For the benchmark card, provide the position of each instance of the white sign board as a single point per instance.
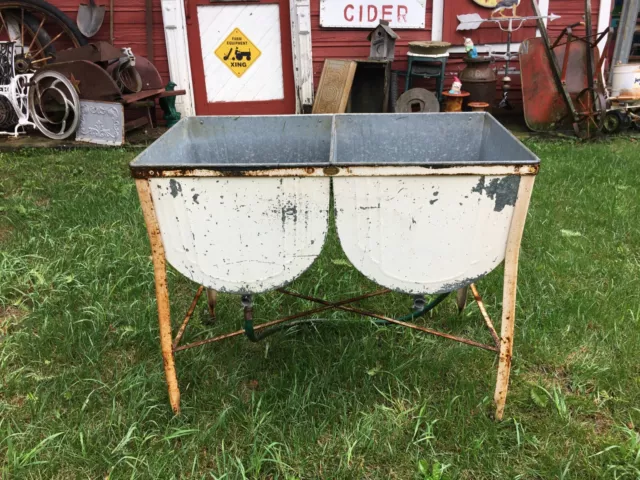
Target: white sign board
(368, 13)
(241, 52)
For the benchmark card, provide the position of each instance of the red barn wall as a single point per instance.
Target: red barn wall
(129, 28)
(353, 44)
(488, 32)
(129, 31)
(571, 12)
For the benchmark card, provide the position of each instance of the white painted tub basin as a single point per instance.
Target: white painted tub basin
(423, 202)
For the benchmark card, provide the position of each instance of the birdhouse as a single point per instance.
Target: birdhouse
(383, 42)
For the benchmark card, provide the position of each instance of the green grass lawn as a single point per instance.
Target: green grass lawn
(82, 392)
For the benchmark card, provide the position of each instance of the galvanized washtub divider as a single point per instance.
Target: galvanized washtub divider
(450, 189)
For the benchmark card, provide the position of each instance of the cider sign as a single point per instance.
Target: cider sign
(368, 13)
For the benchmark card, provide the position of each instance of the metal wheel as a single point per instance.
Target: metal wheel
(613, 122)
(127, 78)
(591, 109)
(54, 104)
(8, 117)
(38, 30)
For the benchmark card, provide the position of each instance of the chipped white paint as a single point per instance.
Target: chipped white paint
(260, 23)
(437, 20)
(419, 234)
(300, 12)
(259, 204)
(604, 20)
(422, 234)
(175, 34)
(241, 235)
(543, 6)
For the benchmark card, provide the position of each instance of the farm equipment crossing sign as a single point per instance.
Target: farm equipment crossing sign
(237, 52)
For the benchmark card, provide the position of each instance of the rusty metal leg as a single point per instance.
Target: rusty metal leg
(485, 315)
(187, 318)
(565, 62)
(162, 293)
(212, 297)
(509, 292)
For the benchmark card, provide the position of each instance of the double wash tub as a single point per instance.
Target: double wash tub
(423, 203)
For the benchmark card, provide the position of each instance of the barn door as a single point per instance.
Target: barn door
(241, 57)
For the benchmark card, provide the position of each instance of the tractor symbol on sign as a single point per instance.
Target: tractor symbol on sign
(239, 55)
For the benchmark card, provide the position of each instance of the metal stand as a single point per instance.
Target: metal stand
(502, 344)
(432, 67)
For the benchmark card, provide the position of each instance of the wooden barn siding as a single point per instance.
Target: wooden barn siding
(488, 32)
(353, 44)
(571, 12)
(129, 28)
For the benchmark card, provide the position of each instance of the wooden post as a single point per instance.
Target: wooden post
(162, 293)
(509, 291)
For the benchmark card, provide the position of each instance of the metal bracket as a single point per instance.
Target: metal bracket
(256, 333)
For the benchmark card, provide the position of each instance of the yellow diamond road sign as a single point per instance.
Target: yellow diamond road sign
(237, 52)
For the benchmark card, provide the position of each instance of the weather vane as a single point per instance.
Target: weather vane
(472, 21)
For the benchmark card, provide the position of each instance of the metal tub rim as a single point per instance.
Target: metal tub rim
(330, 138)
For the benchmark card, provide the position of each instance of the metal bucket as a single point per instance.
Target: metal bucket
(626, 81)
(423, 202)
(479, 79)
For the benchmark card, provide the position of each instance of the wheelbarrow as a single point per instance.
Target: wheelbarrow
(562, 85)
(402, 191)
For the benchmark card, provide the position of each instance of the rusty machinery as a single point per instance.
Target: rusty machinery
(562, 83)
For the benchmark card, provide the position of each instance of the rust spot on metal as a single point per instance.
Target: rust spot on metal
(485, 315)
(632, 94)
(187, 317)
(403, 170)
(236, 173)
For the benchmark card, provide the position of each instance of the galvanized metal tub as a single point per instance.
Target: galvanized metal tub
(423, 202)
